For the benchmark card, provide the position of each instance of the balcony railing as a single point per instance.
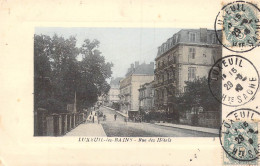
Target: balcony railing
(164, 83)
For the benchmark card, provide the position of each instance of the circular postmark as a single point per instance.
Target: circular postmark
(239, 22)
(239, 135)
(233, 80)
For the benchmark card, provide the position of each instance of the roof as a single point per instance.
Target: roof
(182, 37)
(142, 69)
(115, 81)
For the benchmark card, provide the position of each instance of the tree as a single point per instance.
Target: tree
(58, 73)
(197, 94)
(64, 68)
(94, 71)
(42, 68)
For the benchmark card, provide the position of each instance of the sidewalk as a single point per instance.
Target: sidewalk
(108, 108)
(125, 115)
(195, 128)
(89, 128)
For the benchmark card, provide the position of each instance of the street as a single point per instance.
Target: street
(118, 128)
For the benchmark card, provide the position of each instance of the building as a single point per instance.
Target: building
(113, 94)
(129, 94)
(187, 55)
(146, 97)
(102, 100)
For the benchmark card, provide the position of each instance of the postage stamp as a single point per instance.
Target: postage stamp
(240, 24)
(239, 137)
(239, 77)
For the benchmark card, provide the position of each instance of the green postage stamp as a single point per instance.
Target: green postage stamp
(239, 137)
(240, 24)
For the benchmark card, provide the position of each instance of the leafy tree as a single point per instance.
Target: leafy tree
(42, 68)
(197, 94)
(64, 68)
(95, 72)
(58, 74)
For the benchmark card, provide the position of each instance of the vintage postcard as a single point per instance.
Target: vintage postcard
(130, 83)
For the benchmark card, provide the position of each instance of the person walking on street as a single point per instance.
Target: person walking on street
(125, 119)
(115, 116)
(93, 119)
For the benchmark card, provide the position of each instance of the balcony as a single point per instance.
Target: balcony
(171, 81)
(171, 63)
(141, 97)
(158, 84)
(157, 101)
(155, 70)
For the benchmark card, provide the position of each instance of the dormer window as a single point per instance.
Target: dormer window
(177, 37)
(213, 39)
(192, 37)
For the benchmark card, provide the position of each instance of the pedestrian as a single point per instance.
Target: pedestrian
(115, 116)
(93, 119)
(125, 119)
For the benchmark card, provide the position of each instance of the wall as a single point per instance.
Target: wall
(55, 125)
(137, 81)
(113, 94)
(204, 59)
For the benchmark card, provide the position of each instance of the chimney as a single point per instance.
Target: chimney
(136, 64)
(132, 66)
(203, 35)
(152, 64)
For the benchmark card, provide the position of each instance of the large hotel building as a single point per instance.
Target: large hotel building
(187, 55)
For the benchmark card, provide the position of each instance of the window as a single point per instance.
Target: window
(192, 53)
(165, 47)
(177, 38)
(204, 54)
(162, 94)
(192, 37)
(213, 38)
(192, 73)
(163, 78)
(171, 41)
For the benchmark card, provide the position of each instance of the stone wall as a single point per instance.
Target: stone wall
(56, 124)
(206, 119)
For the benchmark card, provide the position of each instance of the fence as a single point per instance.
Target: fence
(55, 124)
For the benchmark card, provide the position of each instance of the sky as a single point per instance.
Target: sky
(121, 46)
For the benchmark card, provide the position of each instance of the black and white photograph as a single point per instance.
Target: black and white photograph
(125, 82)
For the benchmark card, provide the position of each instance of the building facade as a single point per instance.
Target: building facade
(146, 97)
(129, 94)
(187, 55)
(113, 94)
